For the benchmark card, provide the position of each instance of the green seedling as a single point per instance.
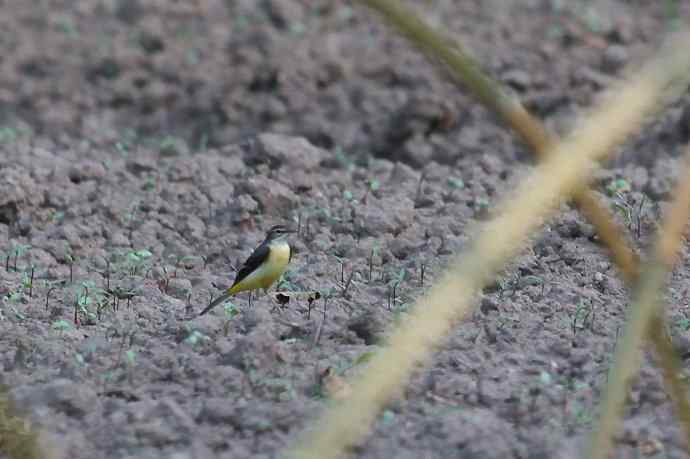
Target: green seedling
(18, 251)
(136, 260)
(456, 183)
(122, 293)
(70, 261)
(57, 216)
(230, 312)
(393, 287)
(344, 159)
(285, 282)
(9, 134)
(122, 147)
(66, 25)
(618, 186)
(131, 218)
(12, 299)
(372, 186)
(61, 325)
(171, 146)
(481, 206)
(195, 337)
(185, 262)
(672, 14)
(130, 357)
(50, 286)
(149, 183)
(387, 417)
(374, 252)
(28, 281)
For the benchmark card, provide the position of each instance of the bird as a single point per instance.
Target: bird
(263, 267)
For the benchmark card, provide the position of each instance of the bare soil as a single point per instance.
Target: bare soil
(146, 146)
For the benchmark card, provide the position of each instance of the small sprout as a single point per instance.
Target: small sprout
(481, 207)
(347, 195)
(456, 183)
(61, 325)
(136, 259)
(617, 186)
(172, 146)
(50, 285)
(346, 287)
(297, 28)
(342, 157)
(130, 357)
(143, 253)
(545, 378)
(195, 337)
(374, 252)
(388, 416)
(19, 250)
(122, 148)
(28, 281)
(70, 261)
(14, 297)
(393, 286)
(374, 185)
(66, 26)
(230, 310)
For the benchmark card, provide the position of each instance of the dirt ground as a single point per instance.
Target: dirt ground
(146, 146)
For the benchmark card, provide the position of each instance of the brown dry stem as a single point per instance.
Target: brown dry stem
(462, 68)
(562, 174)
(646, 310)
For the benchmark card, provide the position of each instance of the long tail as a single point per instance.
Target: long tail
(228, 293)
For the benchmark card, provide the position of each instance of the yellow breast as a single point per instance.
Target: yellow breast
(269, 271)
(277, 262)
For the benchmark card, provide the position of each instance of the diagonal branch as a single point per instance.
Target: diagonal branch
(645, 311)
(495, 242)
(463, 69)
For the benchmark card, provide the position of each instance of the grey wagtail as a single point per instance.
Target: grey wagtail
(263, 267)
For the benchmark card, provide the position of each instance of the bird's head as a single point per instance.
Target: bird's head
(278, 232)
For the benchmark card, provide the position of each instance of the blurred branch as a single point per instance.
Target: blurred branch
(645, 311)
(564, 172)
(462, 68)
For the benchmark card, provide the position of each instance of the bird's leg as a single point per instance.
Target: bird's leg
(250, 298)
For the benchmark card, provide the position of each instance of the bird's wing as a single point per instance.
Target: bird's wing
(258, 256)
